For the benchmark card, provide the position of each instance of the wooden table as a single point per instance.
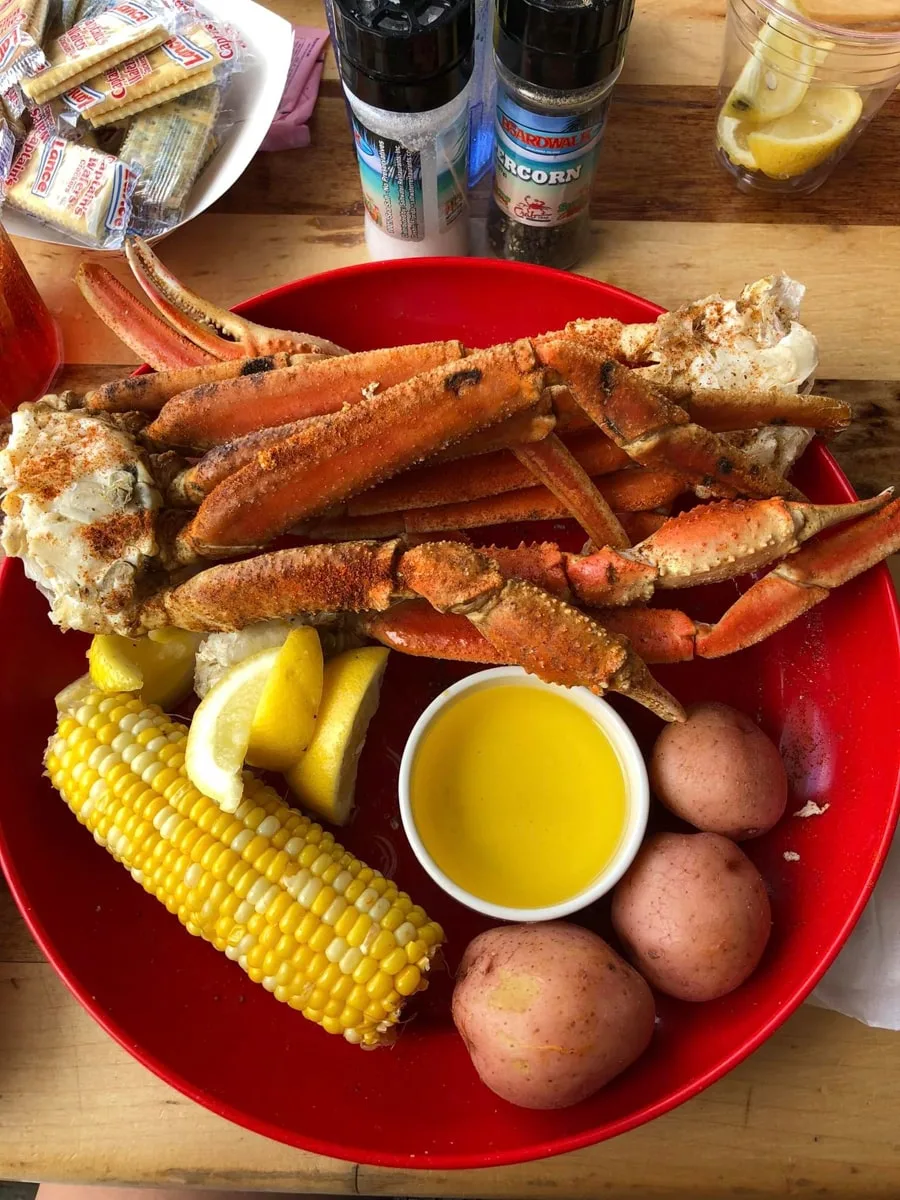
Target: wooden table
(816, 1111)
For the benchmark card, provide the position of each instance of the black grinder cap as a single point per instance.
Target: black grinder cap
(405, 56)
(562, 45)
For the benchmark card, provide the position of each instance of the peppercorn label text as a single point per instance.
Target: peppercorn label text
(544, 164)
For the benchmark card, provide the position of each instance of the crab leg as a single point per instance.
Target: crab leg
(655, 431)
(563, 476)
(148, 393)
(622, 492)
(475, 478)
(661, 635)
(543, 634)
(421, 523)
(805, 580)
(215, 413)
(657, 635)
(333, 457)
(188, 488)
(221, 333)
(142, 331)
(727, 410)
(708, 544)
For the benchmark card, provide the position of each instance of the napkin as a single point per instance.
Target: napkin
(289, 130)
(864, 981)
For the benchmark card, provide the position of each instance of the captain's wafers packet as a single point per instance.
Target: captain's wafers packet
(21, 26)
(128, 28)
(75, 189)
(180, 65)
(171, 144)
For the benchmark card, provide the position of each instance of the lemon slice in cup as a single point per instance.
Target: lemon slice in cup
(732, 137)
(796, 143)
(775, 79)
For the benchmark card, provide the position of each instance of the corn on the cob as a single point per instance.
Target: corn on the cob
(303, 917)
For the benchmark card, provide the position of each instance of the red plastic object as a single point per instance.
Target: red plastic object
(828, 687)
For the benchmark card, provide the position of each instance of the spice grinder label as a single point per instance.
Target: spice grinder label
(452, 148)
(544, 164)
(391, 179)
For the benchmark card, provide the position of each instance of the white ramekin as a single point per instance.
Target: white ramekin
(630, 757)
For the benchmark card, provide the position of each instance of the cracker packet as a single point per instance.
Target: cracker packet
(171, 144)
(21, 28)
(186, 62)
(76, 189)
(120, 32)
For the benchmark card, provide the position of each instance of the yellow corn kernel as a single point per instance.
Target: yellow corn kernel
(379, 986)
(394, 962)
(366, 969)
(383, 944)
(408, 980)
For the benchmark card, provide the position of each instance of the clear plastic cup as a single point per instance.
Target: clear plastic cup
(795, 94)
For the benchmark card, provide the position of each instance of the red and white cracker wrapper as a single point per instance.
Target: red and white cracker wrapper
(189, 60)
(73, 188)
(20, 53)
(289, 130)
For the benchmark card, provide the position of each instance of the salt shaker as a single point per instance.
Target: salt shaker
(557, 61)
(406, 67)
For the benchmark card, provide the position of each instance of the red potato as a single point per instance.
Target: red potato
(549, 1012)
(693, 914)
(719, 772)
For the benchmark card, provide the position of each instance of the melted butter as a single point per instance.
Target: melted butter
(518, 796)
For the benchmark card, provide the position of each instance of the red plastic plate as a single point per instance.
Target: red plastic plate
(828, 688)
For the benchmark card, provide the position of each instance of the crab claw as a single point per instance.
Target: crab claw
(219, 332)
(142, 330)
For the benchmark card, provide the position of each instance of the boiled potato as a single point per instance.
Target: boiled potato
(693, 914)
(549, 1012)
(719, 772)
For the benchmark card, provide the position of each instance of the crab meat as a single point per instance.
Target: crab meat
(80, 511)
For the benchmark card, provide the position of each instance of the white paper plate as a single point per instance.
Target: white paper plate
(253, 96)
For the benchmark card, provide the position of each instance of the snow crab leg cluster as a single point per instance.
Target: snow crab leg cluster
(119, 500)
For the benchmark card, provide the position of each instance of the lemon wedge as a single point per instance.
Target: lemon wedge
(286, 713)
(220, 730)
(325, 777)
(797, 143)
(160, 666)
(775, 78)
(732, 136)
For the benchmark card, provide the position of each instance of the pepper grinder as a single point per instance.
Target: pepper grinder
(557, 62)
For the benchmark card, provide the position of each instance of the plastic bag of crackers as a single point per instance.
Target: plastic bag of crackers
(115, 108)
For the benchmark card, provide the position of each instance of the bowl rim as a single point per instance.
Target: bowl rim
(542, 1146)
(630, 759)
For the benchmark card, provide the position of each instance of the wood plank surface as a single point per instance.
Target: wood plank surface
(657, 162)
(815, 1111)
